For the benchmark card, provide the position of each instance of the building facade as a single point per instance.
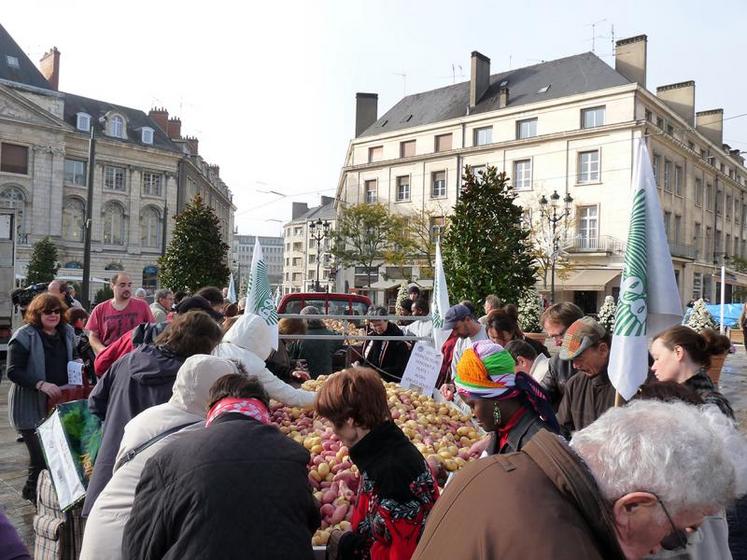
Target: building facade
(243, 252)
(566, 126)
(303, 255)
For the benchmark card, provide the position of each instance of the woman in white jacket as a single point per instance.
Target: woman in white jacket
(249, 341)
(186, 409)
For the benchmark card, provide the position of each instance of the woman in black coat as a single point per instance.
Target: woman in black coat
(388, 357)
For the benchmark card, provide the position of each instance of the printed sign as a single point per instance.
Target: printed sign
(422, 369)
(75, 373)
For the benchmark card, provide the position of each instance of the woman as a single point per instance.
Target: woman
(388, 357)
(397, 489)
(279, 362)
(38, 354)
(76, 317)
(503, 327)
(511, 407)
(318, 355)
(683, 355)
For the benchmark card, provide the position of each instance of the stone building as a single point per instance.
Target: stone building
(566, 126)
(243, 252)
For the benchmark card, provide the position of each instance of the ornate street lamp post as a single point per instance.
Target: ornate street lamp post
(553, 217)
(318, 231)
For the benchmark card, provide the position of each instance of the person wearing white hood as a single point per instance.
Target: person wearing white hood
(249, 341)
(144, 435)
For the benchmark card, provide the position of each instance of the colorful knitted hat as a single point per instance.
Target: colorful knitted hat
(486, 370)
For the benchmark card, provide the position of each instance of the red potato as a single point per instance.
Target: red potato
(338, 515)
(327, 510)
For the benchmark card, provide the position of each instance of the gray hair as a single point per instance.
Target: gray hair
(160, 294)
(377, 311)
(309, 310)
(141, 293)
(315, 323)
(688, 456)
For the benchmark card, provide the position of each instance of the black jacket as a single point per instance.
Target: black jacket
(237, 489)
(557, 376)
(519, 436)
(388, 357)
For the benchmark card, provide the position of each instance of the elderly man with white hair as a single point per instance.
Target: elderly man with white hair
(634, 482)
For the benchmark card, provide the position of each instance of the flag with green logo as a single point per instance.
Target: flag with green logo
(259, 298)
(231, 296)
(649, 298)
(439, 301)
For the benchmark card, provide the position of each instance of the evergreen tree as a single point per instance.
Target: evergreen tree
(607, 314)
(197, 255)
(530, 311)
(485, 249)
(43, 264)
(700, 319)
(103, 294)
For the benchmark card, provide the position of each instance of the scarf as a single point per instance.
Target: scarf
(253, 408)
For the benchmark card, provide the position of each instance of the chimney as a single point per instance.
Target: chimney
(366, 111)
(299, 209)
(50, 67)
(215, 169)
(174, 128)
(479, 80)
(711, 125)
(630, 58)
(680, 98)
(503, 97)
(327, 200)
(160, 116)
(193, 144)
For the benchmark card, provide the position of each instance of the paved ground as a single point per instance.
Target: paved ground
(13, 457)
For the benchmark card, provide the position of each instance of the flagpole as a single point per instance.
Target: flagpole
(722, 328)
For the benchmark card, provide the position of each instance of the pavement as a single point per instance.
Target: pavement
(14, 458)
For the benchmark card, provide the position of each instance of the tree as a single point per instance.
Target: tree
(540, 234)
(530, 311)
(103, 294)
(486, 249)
(700, 318)
(43, 264)
(366, 234)
(607, 314)
(197, 255)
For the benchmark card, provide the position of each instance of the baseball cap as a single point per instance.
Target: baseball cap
(581, 335)
(455, 314)
(198, 302)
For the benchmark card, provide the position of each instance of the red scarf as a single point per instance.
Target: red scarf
(249, 407)
(504, 430)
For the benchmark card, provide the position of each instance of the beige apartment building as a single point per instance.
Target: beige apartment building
(567, 125)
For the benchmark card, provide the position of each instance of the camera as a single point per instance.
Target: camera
(21, 297)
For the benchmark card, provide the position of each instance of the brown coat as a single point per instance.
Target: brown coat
(585, 399)
(537, 504)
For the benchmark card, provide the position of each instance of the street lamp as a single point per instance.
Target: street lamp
(553, 217)
(318, 231)
(237, 265)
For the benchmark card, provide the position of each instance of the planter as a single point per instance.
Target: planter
(714, 371)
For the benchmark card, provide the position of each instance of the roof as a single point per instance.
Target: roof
(26, 72)
(136, 120)
(326, 212)
(566, 76)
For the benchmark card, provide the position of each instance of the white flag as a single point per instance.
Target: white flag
(259, 296)
(649, 298)
(439, 301)
(231, 296)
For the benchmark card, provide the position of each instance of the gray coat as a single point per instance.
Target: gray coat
(27, 407)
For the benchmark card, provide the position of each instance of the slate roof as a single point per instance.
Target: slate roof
(326, 212)
(566, 76)
(26, 73)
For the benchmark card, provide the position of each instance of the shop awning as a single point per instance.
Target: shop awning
(385, 284)
(592, 280)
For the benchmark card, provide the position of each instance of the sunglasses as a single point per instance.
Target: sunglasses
(677, 539)
(52, 312)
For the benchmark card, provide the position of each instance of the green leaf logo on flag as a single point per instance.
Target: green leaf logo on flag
(632, 309)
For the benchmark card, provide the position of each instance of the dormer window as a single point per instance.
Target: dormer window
(117, 126)
(147, 135)
(12, 61)
(83, 122)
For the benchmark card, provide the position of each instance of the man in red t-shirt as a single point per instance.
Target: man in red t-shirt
(112, 318)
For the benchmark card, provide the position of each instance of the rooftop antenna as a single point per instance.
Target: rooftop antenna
(594, 34)
(454, 74)
(404, 81)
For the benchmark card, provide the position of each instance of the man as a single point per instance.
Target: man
(422, 327)
(555, 321)
(527, 360)
(214, 296)
(161, 307)
(112, 318)
(71, 293)
(413, 292)
(638, 480)
(388, 357)
(589, 393)
(492, 302)
(59, 289)
(461, 320)
(316, 353)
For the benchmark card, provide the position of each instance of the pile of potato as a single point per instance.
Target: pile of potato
(446, 438)
(344, 327)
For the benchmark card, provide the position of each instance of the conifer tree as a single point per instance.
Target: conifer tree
(43, 264)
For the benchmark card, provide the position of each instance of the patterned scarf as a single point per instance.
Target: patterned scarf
(248, 407)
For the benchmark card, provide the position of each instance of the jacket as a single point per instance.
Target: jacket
(144, 333)
(249, 341)
(136, 381)
(540, 369)
(702, 384)
(537, 504)
(388, 357)
(159, 312)
(421, 328)
(237, 489)
(186, 407)
(317, 353)
(27, 407)
(447, 350)
(585, 399)
(559, 372)
(396, 492)
(528, 425)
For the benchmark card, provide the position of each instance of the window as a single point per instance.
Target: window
(437, 227)
(73, 219)
(677, 233)
(371, 191)
(403, 188)
(14, 159)
(526, 128)
(719, 202)
(298, 246)
(660, 122)
(667, 175)
(729, 204)
(151, 228)
(478, 169)
(117, 126)
(443, 142)
(657, 169)
(146, 135)
(668, 225)
(296, 261)
(699, 192)
(75, 172)
(708, 243)
(152, 184)
(298, 230)
(83, 122)
(114, 224)
(698, 239)
(592, 117)
(483, 136)
(649, 116)
(678, 180)
(12, 61)
(697, 285)
(727, 245)
(375, 153)
(588, 167)
(709, 197)
(407, 149)
(523, 175)
(438, 184)
(670, 129)
(588, 224)
(312, 259)
(14, 198)
(114, 178)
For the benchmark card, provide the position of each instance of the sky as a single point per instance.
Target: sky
(269, 87)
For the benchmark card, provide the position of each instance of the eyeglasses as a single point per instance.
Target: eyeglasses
(677, 539)
(52, 312)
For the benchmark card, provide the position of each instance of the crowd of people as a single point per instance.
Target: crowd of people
(191, 465)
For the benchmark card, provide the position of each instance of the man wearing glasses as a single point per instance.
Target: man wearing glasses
(555, 321)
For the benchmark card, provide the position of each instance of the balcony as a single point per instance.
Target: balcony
(600, 244)
(683, 251)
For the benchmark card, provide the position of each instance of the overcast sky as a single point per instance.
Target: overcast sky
(269, 87)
